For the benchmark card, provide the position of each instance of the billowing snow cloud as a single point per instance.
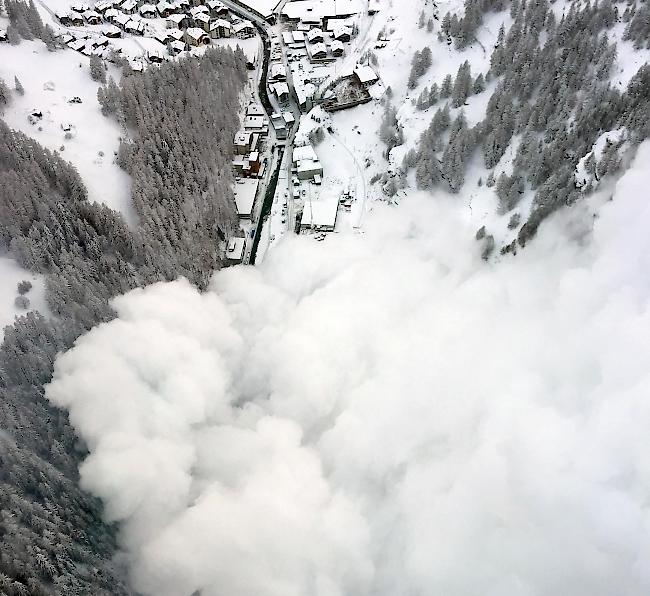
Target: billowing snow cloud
(384, 414)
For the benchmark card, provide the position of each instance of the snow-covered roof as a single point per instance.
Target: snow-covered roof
(176, 18)
(289, 118)
(195, 10)
(254, 121)
(201, 17)
(220, 23)
(315, 33)
(281, 89)
(318, 48)
(147, 8)
(341, 31)
(278, 71)
(195, 33)
(366, 74)
(298, 36)
(129, 5)
(243, 137)
(235, 249)
(287, 37)
(177, 45)
(245, 192)
(315, 10)
(320, 213)
(255, 109)
(337, 46)
(305, 152)
(241, 26)
(76, 44)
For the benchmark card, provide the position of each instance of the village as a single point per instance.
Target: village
(303, 65)
(308, 41)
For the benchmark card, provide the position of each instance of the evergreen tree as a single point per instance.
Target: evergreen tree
(18, 86)
(445, 89)
(97, 70)
(462, 85)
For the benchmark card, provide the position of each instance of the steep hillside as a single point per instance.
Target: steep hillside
(504, 105)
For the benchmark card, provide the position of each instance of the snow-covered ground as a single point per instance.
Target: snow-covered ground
(264, 7)
(51, 80)
(10, 275)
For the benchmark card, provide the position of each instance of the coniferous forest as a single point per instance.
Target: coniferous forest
(182, 117)
(552, 87)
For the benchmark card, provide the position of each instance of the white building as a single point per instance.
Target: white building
(254, 123)
(235, 250)
(320, 214)
(306, 163)
(245, 193)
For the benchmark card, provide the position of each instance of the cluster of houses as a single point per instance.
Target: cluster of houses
(186, 23)
(321, 27)
(247, 162)
(320, 43)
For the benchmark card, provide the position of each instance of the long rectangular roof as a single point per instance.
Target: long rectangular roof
(245, 191)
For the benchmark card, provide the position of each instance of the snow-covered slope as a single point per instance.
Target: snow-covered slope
(11, 274)
(51, 80)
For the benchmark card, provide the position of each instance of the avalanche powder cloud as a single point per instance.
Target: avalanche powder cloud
(384, 414)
